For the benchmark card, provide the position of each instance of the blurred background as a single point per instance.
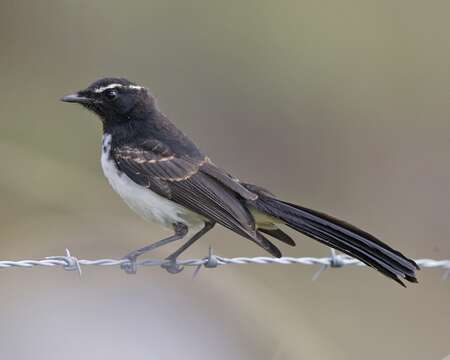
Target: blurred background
(339, 106)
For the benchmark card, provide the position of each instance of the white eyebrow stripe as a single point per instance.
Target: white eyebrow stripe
(113, 86)
(110, 86)
(136, 87)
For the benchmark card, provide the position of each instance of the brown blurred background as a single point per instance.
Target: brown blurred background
(341, 106)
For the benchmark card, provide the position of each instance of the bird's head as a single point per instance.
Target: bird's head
(115, 100)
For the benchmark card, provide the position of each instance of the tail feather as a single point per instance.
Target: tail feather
(341, 236)
(384, 266)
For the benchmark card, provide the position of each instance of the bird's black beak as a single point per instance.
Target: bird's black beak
(76, 98)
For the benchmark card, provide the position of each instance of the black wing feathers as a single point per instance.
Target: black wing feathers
(228, 180)
(194, 183)
(279, 235)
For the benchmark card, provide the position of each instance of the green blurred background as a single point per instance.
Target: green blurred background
(341, 106)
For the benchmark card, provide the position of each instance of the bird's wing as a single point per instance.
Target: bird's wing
(185, 181)
(154, 166)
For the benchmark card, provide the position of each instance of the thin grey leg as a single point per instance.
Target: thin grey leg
(180, 232)
(172, 265)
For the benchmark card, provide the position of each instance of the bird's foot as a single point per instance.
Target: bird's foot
(130, 267)
(171, 265)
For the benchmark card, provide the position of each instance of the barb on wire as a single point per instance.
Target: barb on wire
(211, 262)
(72, 263)
(335, 262)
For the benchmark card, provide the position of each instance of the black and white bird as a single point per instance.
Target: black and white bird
(164, 177)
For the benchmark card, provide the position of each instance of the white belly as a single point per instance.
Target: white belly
(143, 201)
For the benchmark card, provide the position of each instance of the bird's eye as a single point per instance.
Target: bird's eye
(110, 94)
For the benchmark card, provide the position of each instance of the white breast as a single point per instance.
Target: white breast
(143, 201)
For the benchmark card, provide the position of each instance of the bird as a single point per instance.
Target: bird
(164, 177)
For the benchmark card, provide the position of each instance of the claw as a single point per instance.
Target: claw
(171, 266)
(129, 267)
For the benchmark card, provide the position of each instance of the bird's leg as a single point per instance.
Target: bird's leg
(180, 232)
(172, 266)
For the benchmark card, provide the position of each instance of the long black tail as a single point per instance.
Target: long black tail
(341, 236)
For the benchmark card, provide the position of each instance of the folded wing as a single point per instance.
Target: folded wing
(194, 183)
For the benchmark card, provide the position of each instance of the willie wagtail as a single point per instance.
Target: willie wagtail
(164, 177)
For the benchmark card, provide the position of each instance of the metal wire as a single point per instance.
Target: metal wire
(71, 263)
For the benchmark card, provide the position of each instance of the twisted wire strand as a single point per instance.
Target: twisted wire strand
(71, 263)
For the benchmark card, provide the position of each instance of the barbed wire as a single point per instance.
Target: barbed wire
(71, 263)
